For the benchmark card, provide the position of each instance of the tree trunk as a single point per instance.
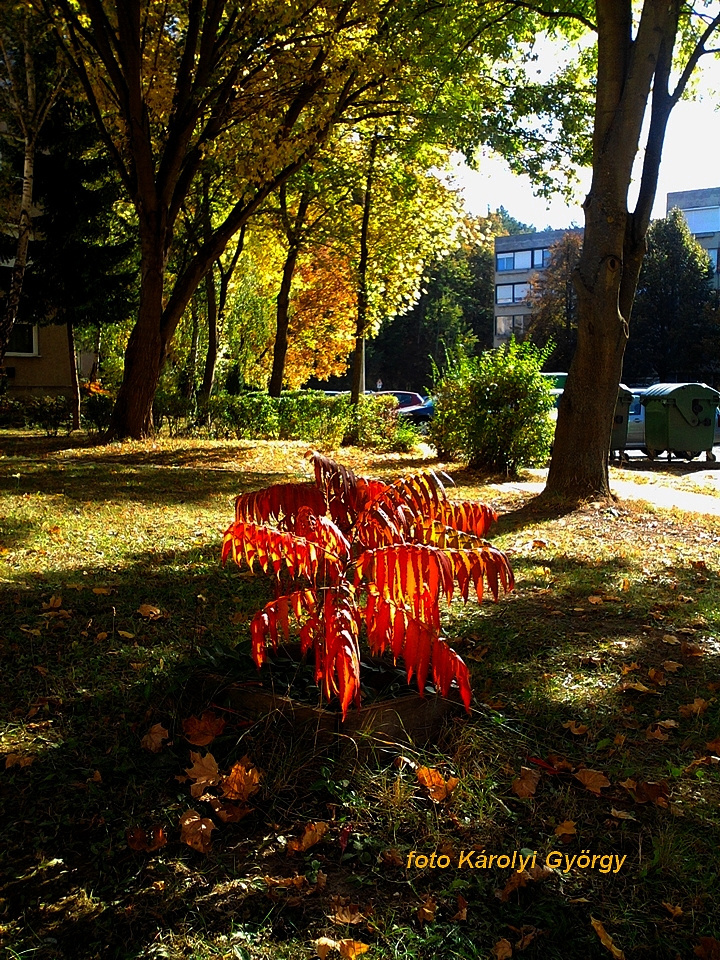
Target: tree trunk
(281, 324)
(12, 303)
(212, 346)
(132, 413)
(191, 368)
(614, 240)
(75, 382)
(358, 368)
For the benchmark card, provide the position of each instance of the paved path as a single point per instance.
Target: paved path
(659, 490)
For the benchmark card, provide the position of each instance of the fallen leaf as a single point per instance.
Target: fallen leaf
(690, 649)
(622, 814)
(324, 945)
(153, 739)
(54, 603)
(502, 950)
(674, 912)
(694, 709)
(352, 948)
(606, 940)
(437, 786)
(578, 729)
(566, 829)
(102, 591)
(19, 760)
(528, 935)
(648, 791)
(526, 784)
(672, 666)
(228, 812)
(619, 739)
(312, 834)
(149, 611)
(121, 633)
(670, 638)
(593, 780)
(200, 731)
(713, 746)
(708, 949)
(595, 599)
(145, 841)
(657, 676)
(242, 781)
(654, 732)
(426, 910)
(462, 906)
(347, 913)
(639, 687)
(629, 667)
(195, 831)
(204, 772)
(392, 858)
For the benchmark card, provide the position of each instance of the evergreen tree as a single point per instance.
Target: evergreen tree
(674, 335)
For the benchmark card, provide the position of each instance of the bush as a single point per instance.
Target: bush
(494, 410)
(173, 409)
(49, 413)
(376, 424)
(96, 408)
(12, 413)
(246, 416)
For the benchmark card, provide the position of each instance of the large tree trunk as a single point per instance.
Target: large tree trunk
(145, 353)
(614, 240)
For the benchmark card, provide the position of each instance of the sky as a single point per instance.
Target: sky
(690, 162)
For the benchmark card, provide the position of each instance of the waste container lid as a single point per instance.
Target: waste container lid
(675, 391)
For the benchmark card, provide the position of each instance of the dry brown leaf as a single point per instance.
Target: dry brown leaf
(578, 729)
(312, 834)
(672, 666)
(502, 950)
(528, 935)
(654, 732)
(54, 603)
(228, 812)
(242, 781)
(462, 906)
(347, 913)
(592, 780)
(674, 912)
(426, 910)
(204, 772)
(526, 784)
(713, 746)
(145, 841)
(102, 591)
(566, 829)
(629, 667)
(324, 945)
(708, 949)
(651, 792)
(149, 611)
(19, 760)
(349, 949)
(621, 814)
(195, 831)
(639, 687)
(606, 940)
(121, 633)
(595, 599)
(153, 739)
(694, 709)
(670, 638)
(619, 739)
(657, 676)
(392, 858)
(437, 786)
(690, 649)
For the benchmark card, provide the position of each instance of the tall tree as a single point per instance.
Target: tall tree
(637, 64)
(30, 80)
(553, 301)
(674, 335)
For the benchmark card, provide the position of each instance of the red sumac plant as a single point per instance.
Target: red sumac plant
(350, 554)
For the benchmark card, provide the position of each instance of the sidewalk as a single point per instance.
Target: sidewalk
(662, 489)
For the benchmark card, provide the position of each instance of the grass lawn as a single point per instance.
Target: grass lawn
(594, 733)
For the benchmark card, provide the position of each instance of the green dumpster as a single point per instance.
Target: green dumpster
(680, 418)
(618, 438)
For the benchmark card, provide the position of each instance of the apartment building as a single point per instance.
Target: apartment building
(702, 212)
(517, 259)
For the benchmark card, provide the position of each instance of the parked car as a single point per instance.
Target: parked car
(405, 398)
(419, 412)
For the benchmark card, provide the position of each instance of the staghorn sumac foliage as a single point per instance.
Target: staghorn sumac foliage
(351, 555)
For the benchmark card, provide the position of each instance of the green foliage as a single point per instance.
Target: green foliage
(493, 410)
(674, 333)
(50, 414)
(313, 416)
(96, 408)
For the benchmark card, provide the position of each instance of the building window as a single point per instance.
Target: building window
(511, 292)
(541, 258)
(703, 219)
(505, 326)
(712, 253)
(23, 341)
(514, 260)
